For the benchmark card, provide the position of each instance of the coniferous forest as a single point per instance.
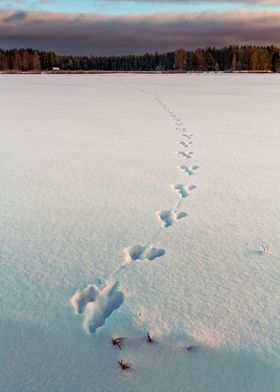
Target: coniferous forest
(227, 59)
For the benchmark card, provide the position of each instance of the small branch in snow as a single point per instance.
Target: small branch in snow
(117, 342)
(149, 339)
(124, 365)
(264, 248)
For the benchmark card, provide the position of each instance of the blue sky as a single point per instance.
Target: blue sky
(140, 7)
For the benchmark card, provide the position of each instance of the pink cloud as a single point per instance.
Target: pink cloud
(100, 34)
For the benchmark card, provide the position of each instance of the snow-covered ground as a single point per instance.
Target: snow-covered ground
(135, 203)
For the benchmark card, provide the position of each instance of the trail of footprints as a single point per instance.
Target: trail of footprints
(97, 302)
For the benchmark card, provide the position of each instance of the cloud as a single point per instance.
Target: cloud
(15, 17)
(104, 35)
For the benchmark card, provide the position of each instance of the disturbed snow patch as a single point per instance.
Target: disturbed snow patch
(167, 217)
(140, 252)
(186, 169)
(182, 190)
(81, 298)
(97, 304)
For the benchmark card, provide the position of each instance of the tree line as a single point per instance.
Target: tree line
(227, 59)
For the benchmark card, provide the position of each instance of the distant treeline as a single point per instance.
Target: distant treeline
(232, 58)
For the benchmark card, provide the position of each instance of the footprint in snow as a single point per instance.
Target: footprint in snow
(184, 144)
(184, 154)
(97, 304)
(167, 217)
(186, 169)
(140, 252)
(183, 190)
(81, 298)
(180, 188)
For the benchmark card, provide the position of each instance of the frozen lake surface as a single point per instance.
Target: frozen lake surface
(133, 204)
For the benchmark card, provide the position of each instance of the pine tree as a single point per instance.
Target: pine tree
(180, 60)
(226, 59)
(35, 61)
(210, 62)
(3, 61)
(275, 62)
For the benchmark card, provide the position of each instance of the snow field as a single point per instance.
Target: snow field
(94, 195)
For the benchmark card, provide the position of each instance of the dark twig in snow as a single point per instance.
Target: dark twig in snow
(124, 365)
(117, 342)
(149, 339)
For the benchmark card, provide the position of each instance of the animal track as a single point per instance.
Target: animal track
(81, 298)
(98, 301)
(186, 145)
(187, 170)
(167, 217)
(181, 189)
(140, 252)
(97, 304)
(181, 214)
(154, 252)
(185, 154)
(182, 153)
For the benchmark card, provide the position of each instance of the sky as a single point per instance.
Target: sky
(106, 27)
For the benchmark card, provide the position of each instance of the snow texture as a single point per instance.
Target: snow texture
(96, 175)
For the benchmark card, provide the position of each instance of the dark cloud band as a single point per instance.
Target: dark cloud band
(102, 35)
